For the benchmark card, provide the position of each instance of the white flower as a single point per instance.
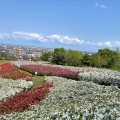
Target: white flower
(11, 87)
(71, 99)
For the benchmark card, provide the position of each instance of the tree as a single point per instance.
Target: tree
(58, 56)
(93, 61)
(3, 56)
(104, 58)
(116, 66)
(86, 60)
(107, 57)
(73, 58)
(45, 56)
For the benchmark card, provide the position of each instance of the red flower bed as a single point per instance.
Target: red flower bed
(23, 100)
(49, 70)
(6, 67)
(9, 71)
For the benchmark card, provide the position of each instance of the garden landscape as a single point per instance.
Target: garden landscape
(63, 92)
(59, 59)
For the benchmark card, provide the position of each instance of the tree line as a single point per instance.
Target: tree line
(3, 56)
(104, 58)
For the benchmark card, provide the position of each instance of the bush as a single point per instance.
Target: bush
(102, 78)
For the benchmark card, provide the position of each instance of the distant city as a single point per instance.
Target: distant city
(23, 52)
(26, 52)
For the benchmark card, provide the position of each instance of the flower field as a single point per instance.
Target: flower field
(72, 68)
(23, 100)
(94, 96)
(14, 94)
(103, 78)
(51, 71)
(9, 71)
(9, 87)
(74, 100)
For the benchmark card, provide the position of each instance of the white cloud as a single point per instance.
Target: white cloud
(96, 4)
(27, 36)
(4, 35)
(108, 44)
(99, 44)
(115, 44)
(54, 37)
(65, 40)
(103, 6)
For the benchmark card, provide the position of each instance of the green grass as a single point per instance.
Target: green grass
(37, 81)
(4, 61)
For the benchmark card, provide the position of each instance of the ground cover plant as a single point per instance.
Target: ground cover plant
(74, 100)
(49, 70)
(9, 71)
(4, 61)
(9, 87)
(14, 96)
(23, 100)
(37, 81)
(72, 68)
(103, 78)
(67, 99)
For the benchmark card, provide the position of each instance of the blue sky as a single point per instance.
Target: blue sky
(85, 25)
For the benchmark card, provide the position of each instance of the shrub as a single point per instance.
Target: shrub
(102, 78)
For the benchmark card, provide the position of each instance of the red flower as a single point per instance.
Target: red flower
(9, 71)
(23, 100)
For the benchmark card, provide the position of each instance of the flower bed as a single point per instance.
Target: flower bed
(49, 70)
(9, 71)
(103, 78)
(23, 100)
(72, 68)
(6, 67)
(9, 87)
(74, 100)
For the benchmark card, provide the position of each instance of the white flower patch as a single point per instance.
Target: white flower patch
(106, 78)
(9, 87)
(74, 100)
(25, 84)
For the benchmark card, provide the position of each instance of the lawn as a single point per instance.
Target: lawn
(37, 81)
(4, 61)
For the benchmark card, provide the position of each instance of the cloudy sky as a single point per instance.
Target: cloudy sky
(85, 25)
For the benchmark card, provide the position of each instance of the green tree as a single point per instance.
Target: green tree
(104, 58)
(93, 61)
(86, 60)
(58, 56)
(107, 57)
(45, 56)
(73, 58)
(116, 66)
(3, 56)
